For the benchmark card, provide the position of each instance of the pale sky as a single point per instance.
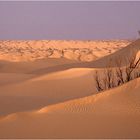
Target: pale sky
(69, 20)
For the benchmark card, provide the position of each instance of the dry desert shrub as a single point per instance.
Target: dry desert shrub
(113, 77)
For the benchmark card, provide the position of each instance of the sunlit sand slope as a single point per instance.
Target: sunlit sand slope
(110, 114)
(40, 91)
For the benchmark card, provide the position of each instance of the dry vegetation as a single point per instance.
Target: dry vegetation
(113, 77)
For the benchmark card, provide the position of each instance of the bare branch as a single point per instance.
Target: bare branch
(120, 75)
(98, 82)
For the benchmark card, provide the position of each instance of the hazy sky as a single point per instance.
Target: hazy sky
(69, 20)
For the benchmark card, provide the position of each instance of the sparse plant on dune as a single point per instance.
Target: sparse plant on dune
(106, 80)
(119, 75)
(132, 67)
(98, 82)
(119, 72)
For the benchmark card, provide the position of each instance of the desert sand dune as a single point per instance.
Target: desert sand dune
(11, 78)
(28, 67)
(75, 50)
(111, 114)
(45, 65)
(53, 97)
(77, 82)
(122, 54)
(103, 62)
(114, 101)
(68, 84)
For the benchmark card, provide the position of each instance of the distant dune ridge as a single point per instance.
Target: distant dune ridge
(57, 97)
(73, 50)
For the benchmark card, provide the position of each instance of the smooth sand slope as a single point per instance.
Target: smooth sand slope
(45, 90)
(30, 66)
(56, 98)
(110, 114)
